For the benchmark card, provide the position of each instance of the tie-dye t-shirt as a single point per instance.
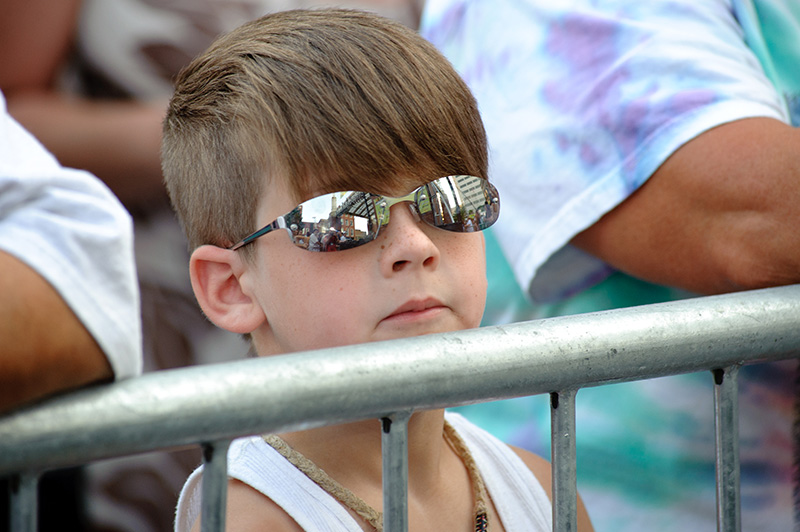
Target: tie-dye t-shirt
(582, 101)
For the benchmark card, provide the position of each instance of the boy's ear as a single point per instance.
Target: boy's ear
(215, 273)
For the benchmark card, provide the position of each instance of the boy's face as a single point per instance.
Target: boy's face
(413, 279)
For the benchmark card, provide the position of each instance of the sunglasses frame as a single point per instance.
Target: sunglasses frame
(384, 203)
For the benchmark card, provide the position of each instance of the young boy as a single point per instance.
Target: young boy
(262, 131)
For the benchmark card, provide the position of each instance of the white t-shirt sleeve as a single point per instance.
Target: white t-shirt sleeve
(71, 229)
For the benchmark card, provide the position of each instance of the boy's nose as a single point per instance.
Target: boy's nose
(405, 243)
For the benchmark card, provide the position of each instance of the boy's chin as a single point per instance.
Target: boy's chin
(395, 331)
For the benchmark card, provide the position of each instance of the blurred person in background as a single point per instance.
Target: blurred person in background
(649, 151)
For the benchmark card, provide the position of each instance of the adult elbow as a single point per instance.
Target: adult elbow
(758, 263)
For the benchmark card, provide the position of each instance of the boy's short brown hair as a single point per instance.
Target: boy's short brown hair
(325, 99)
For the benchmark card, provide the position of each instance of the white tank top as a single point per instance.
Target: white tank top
(521, 502)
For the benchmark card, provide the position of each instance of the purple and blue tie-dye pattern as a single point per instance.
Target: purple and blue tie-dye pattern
(581, 106)
(582, 102)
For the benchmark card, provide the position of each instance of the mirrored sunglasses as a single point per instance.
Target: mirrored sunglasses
(344, 220)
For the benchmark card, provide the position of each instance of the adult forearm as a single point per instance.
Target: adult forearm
(119, 141)
(46, 349)
(722, 214)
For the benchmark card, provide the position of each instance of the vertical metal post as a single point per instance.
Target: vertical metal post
(23, 503)
(565, 483)
(215, 486)
(726, 423)
(394, 448)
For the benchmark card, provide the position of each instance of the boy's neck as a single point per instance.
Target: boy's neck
(354, 449)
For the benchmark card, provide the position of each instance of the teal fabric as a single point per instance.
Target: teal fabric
(506, 303)
(772, 31)
(646, 449)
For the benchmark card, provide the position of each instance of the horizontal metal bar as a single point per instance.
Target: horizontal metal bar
(293, 392)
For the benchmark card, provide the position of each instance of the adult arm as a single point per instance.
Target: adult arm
(69, 311)
(721, 214)
(46, 348)
(119, 141)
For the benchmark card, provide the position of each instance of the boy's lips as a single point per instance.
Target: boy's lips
(415, 307)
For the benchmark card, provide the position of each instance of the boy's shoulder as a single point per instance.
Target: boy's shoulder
(540, 468)
(489, 446)
(249, 510)
(275, 491)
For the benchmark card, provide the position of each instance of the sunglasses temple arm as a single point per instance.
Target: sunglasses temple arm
(277, 224)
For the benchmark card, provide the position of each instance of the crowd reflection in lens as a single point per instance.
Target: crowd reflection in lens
(343, 220)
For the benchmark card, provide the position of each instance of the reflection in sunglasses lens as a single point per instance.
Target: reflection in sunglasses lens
(343, 220)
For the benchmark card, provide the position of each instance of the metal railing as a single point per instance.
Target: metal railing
(210, 405)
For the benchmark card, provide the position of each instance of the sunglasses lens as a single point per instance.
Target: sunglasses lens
(345, 220)
(461, 203)
(333, 222)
